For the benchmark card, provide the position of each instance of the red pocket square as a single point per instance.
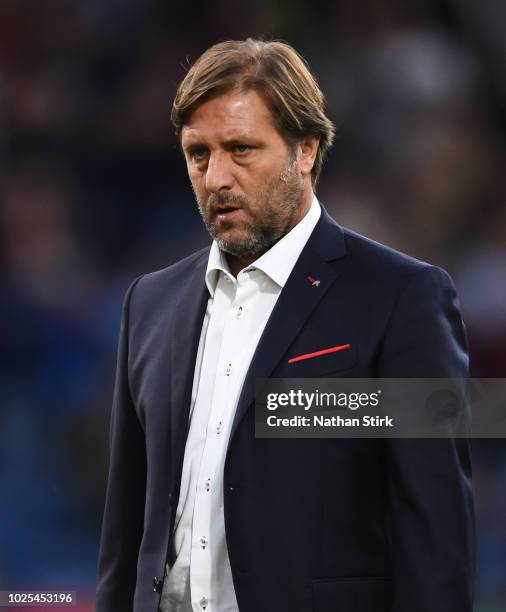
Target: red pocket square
(332, 349)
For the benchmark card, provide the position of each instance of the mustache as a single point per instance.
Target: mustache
(221, 199)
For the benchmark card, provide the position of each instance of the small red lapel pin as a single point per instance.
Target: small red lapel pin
(314, 281)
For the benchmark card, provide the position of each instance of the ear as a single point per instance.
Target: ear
(307, 149)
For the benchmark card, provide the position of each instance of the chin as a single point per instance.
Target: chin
(232, 235)
(229, 245)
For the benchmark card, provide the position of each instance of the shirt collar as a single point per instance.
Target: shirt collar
(216, 263)
(278, 262)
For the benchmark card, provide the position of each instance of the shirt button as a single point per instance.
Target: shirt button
(208, 484)
(219, 427)
(239, 313)
(203, 602)
(229, 369)
(203, 541)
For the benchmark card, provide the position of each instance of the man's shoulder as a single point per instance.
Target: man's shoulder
(176, 271)
(377, 260)
(363, 262)
(362, 254)
(161, 286)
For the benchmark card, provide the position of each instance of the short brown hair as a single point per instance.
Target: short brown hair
(272, 68)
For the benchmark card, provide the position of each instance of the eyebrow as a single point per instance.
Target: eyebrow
(227, 142)
(192, 145)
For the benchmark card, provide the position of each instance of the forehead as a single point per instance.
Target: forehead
(228, 116)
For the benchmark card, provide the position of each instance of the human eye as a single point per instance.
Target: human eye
(242, 149)
(197, 154)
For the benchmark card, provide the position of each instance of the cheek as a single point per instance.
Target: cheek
(254, 182)
(198, 185)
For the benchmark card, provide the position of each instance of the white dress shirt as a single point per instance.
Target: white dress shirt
(237, 312)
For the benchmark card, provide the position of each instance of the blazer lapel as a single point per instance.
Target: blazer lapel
(186, 328)
(297, 300)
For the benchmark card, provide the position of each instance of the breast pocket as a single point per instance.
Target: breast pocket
(359, 594)
(318, 363)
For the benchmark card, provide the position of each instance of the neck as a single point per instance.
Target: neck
(236, 265)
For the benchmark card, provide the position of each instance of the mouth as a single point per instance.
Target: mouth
(226, 213)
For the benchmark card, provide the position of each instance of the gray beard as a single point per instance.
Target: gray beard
(274, 222)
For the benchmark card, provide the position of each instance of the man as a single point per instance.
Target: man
(201, 515)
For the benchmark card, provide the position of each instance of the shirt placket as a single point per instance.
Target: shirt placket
(203, 596)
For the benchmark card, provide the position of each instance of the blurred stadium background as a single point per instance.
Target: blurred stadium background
(93, 192)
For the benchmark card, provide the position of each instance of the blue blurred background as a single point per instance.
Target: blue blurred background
(93, 192)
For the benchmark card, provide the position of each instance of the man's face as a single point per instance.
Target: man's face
(246, 178)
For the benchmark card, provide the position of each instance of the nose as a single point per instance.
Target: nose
(219, 172)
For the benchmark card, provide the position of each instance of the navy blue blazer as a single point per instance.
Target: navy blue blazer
(312, 525)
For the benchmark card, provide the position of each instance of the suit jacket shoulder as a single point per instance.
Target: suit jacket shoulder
(380, 261)
(159, 291)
